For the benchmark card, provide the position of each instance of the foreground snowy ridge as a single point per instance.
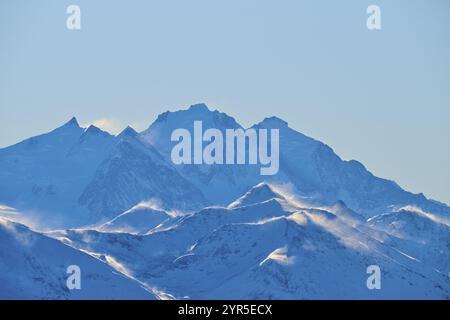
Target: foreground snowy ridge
(140, 227)
(274, 249)
(33, 266)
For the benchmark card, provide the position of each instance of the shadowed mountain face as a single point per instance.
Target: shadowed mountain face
(74, 176)
(133, 173)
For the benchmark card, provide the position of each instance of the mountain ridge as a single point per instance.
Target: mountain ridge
(58, 172)
(274, 249)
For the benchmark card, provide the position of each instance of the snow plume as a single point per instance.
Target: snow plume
(29, 218)
(289, 192)
(280, 256)
(117, 265)
(425, 214)
(348, 236)
(20, 232)
(109, 125)
(154, 204)
(299, 218)
(7, 210)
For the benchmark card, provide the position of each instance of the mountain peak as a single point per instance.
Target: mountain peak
(259, 193)
(128, 132)
(194, 110)
(93, 130)
(201, 107)
(273, 122)
(70, 126)
(263, 188)
(73, 122)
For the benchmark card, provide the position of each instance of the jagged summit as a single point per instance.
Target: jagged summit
(159, 132)
(127, 132)
(93, 130)
(72, 127)
(199, 108)
(73, 122)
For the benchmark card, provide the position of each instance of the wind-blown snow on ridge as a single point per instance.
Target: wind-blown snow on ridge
(266, 250)
(33, 266)
(259, 193)
(138, 220)
(417, 234)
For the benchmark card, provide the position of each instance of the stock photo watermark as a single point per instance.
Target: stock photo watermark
(250, 146)
(374, 280)
(74, 279)
(374, 18)
(73, 21)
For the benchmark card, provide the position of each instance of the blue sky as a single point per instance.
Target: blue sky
(381, 97)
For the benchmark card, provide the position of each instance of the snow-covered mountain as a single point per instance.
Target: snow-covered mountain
(134, 172)
(417, 234)
(34, 266)
(43, 176)
(218, 183)
(210, 231)
(314, 169)
(74, 176)
(270, 249)
(259, 193)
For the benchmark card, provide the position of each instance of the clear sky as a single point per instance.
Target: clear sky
(381, 97)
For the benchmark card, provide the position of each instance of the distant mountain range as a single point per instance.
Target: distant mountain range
(211, 231)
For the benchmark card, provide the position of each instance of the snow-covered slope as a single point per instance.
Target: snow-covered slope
(417, 234)
(313, 168)
(259, 193)
(138, 220)
(43, 176)
(33, 266)
(306, 256)
(133, 173)
(271, 249)
(309, 166)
